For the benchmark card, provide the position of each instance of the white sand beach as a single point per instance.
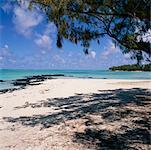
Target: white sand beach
(76, 114)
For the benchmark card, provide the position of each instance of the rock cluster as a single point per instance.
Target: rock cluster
(30, 80)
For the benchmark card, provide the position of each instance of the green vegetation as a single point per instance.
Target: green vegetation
(134, 67)
(126, 22)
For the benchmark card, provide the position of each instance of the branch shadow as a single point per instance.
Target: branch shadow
(106, 140)
(126, 108)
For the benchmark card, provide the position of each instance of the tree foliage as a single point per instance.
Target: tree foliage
(81, 21)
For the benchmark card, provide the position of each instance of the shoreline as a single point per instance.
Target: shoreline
(22, 83)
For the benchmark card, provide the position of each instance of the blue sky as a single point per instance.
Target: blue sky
(28, 41)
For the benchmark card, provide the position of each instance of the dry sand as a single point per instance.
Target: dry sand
(77, 114)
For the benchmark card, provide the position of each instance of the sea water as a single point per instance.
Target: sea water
(11, 74)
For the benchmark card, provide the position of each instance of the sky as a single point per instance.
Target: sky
(28, 41)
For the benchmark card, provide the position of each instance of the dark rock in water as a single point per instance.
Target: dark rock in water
(30, 80)
(2, 81)
(20, 83)
(56, 75)
(7, 90)
(71, 76)
(4, 91)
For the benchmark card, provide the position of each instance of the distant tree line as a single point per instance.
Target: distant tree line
(134, 67)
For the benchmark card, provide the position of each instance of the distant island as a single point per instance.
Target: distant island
(134, 67)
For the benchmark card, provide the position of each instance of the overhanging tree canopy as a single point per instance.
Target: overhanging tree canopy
(127, 22)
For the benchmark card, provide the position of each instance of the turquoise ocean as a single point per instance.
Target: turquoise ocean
(11, 74)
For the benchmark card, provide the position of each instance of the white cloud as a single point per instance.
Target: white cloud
(4, 52)
(1, 58)
(50, 28)
(45, 40)
(70, 54)
(6, 56)
(111, 49)
(127, 56)
(12, 61)
(25, 19)
(147, 36)
(92, 54)
(6, 46)
(58, 59)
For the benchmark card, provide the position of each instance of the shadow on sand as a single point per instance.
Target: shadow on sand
(113, 119)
